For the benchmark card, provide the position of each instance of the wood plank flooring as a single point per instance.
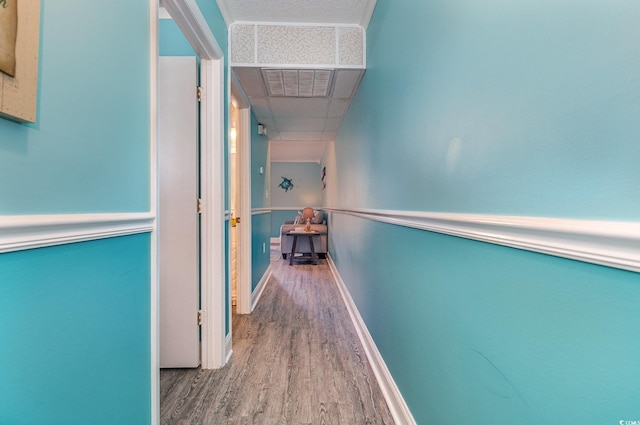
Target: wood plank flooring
(296, 360)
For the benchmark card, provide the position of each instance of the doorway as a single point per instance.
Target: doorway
(240, 201)
(213, 308)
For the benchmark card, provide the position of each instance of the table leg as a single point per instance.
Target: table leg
(293, 249)
(313, 251)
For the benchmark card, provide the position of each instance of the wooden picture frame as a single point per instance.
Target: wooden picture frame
(18, 93)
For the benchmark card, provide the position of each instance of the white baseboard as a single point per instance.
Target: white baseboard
(257, 293)
(274, 241)
(227, 348)
(395, 401)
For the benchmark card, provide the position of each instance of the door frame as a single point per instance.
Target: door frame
(193, 25)
(243, 143)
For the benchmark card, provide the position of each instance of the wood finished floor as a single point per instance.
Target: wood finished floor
(296, 360)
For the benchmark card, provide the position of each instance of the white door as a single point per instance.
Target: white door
(177, 148)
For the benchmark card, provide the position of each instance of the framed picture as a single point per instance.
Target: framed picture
(19, 46)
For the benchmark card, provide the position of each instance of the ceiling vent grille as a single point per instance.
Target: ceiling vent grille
(298, 82)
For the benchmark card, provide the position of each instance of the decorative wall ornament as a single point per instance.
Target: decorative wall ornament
(286, 184)
(19, 46)
(324, 178)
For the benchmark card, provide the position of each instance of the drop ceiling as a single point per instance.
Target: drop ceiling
(301, 108)
(295, 11)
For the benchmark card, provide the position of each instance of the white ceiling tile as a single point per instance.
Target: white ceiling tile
(300, 124)
(338, 108)
(296, 151)
(332, 124)
(267, 122)
(329, 135)
(298, 107)
(317, 11)
(260, 106)
(251, 81)
(273, 134)
(301, 135)
(346, 82)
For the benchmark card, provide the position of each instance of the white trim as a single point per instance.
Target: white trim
(397, 406)
(257, 293)
(331, 66)
(608, 243)
(193, 25)
(294, 208)
(314, 161)
(238, 93)
(154, 284)
(212, 222)
(258, 211)
(274, 241)
(243, 305)
(20, 232)
(296, 24)
(163, 14)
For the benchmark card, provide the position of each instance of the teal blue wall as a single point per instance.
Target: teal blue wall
(306, 192)
(171, 41)
(260, 227)
(261, 223)
(74, 319)
(259, 158)
(306, 180)
(278, 217)
(74, 326)
(525, 108)
(89, 149)
(470, 329)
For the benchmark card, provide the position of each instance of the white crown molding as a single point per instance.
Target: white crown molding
(296, 24)
(608, 243)
(22, 232)
(397, 406)
(258, 211)
(292, 208)
(329, 66)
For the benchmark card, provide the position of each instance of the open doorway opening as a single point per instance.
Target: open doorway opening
(209, 202)
(240, 202)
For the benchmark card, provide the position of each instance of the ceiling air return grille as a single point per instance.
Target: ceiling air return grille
(298, 82)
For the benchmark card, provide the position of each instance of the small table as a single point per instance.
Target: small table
(309, 234)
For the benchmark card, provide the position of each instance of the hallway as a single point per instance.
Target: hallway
(296, 360)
